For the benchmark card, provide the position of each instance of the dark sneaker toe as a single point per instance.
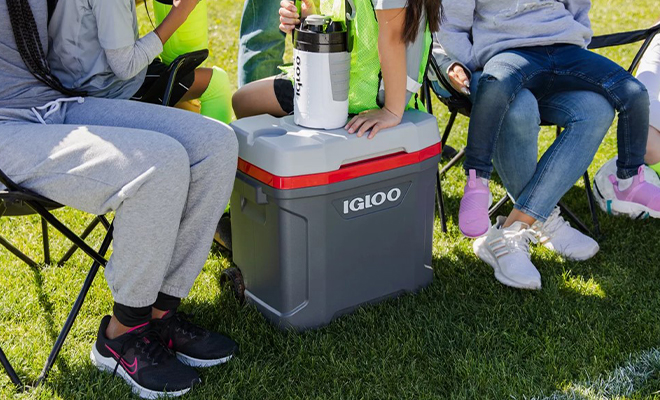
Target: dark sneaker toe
(211, 350)
(170, 378)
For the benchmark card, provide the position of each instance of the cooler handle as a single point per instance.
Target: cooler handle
(256, 195)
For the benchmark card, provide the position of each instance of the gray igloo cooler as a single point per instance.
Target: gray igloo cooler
(323, 221)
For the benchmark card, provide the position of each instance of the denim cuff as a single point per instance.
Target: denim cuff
(625, 173)
(480, 174)
(532, 213)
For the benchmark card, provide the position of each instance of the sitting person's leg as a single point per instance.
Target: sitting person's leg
(211, 86)
(212, 149)
(272, 96)
(537, 189)
(493, 92)
(168, 193)
(629, 189)
(261, 45)
(144, 177)
(648, 74)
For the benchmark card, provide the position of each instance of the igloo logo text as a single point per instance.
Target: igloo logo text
(371, 200)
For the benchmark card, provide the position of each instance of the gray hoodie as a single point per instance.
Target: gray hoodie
(18, 87)
(473, 31)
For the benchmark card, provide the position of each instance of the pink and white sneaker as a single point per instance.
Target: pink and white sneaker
(640, 200)
(473, 218)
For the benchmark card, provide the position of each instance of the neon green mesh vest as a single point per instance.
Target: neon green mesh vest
(365, 77)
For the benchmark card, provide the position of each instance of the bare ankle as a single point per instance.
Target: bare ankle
(157, 314)
(518, 216)
(115, 328)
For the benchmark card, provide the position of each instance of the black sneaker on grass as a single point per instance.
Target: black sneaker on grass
(194, 345)
(143, 360)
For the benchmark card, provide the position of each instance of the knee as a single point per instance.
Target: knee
(598, 111)
(635, 93)
(239, 102)
(219, 82)
(171, 161)
(498, 83)
(217, 149)
(523, 117)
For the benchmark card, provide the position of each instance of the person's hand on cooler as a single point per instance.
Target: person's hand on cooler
(459, 79)
(391, 47)
(289, 16)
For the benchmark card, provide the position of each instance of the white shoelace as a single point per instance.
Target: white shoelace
(546, 231)
(52, 107)
(513, 241)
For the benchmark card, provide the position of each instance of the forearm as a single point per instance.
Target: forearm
(392, 54)
(127, 62)
(176, 17)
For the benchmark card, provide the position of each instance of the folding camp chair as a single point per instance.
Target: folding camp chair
(457, 103)
(17, 201)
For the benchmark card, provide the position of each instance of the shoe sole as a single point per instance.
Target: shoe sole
(108, 364)
(621, 207)
(471, 236)
(481, 250)
(200, 363)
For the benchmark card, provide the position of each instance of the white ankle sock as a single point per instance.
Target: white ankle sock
(484, 181)
(624, 183)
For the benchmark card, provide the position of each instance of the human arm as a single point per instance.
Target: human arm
(128, 61)
(116, 33)
(392, 54)
(456, 73)
(455, 31)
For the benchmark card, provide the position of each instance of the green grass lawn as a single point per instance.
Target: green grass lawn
(591, 333)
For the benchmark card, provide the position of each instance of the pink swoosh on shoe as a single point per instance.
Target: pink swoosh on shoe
(130, 368)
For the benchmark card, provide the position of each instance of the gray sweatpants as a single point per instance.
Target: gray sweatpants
(167, 173)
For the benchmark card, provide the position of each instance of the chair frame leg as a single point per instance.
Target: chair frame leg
(441, 203)
(458, 157)
(98, 261)
(44, 237)
(578, 222)
(73, 314)
(10, 370)
(592, 206)
(25, 258)
(496, 208)
(439, 195)
(90, 228)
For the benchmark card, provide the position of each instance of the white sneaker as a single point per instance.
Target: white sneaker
(507, 251)
(633, 202)
(557, 235)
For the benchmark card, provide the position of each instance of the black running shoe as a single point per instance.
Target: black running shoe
(143, 360)
(194, 345)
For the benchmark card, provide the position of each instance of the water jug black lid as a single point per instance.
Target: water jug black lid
(314, 37)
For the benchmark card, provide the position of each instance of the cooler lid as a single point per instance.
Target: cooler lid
(280, 148)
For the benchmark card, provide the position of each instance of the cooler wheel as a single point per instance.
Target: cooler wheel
(223, 232)
(234, 278)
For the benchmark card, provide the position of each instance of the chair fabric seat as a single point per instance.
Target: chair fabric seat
(13, 204)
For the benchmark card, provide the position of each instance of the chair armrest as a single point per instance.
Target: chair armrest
(182, 65)
(445, 92)
(622, 38)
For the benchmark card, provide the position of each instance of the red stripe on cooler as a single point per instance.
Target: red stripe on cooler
(346, 172)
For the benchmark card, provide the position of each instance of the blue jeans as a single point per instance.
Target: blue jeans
(537, 185)
(546, 71)
(261, 43)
